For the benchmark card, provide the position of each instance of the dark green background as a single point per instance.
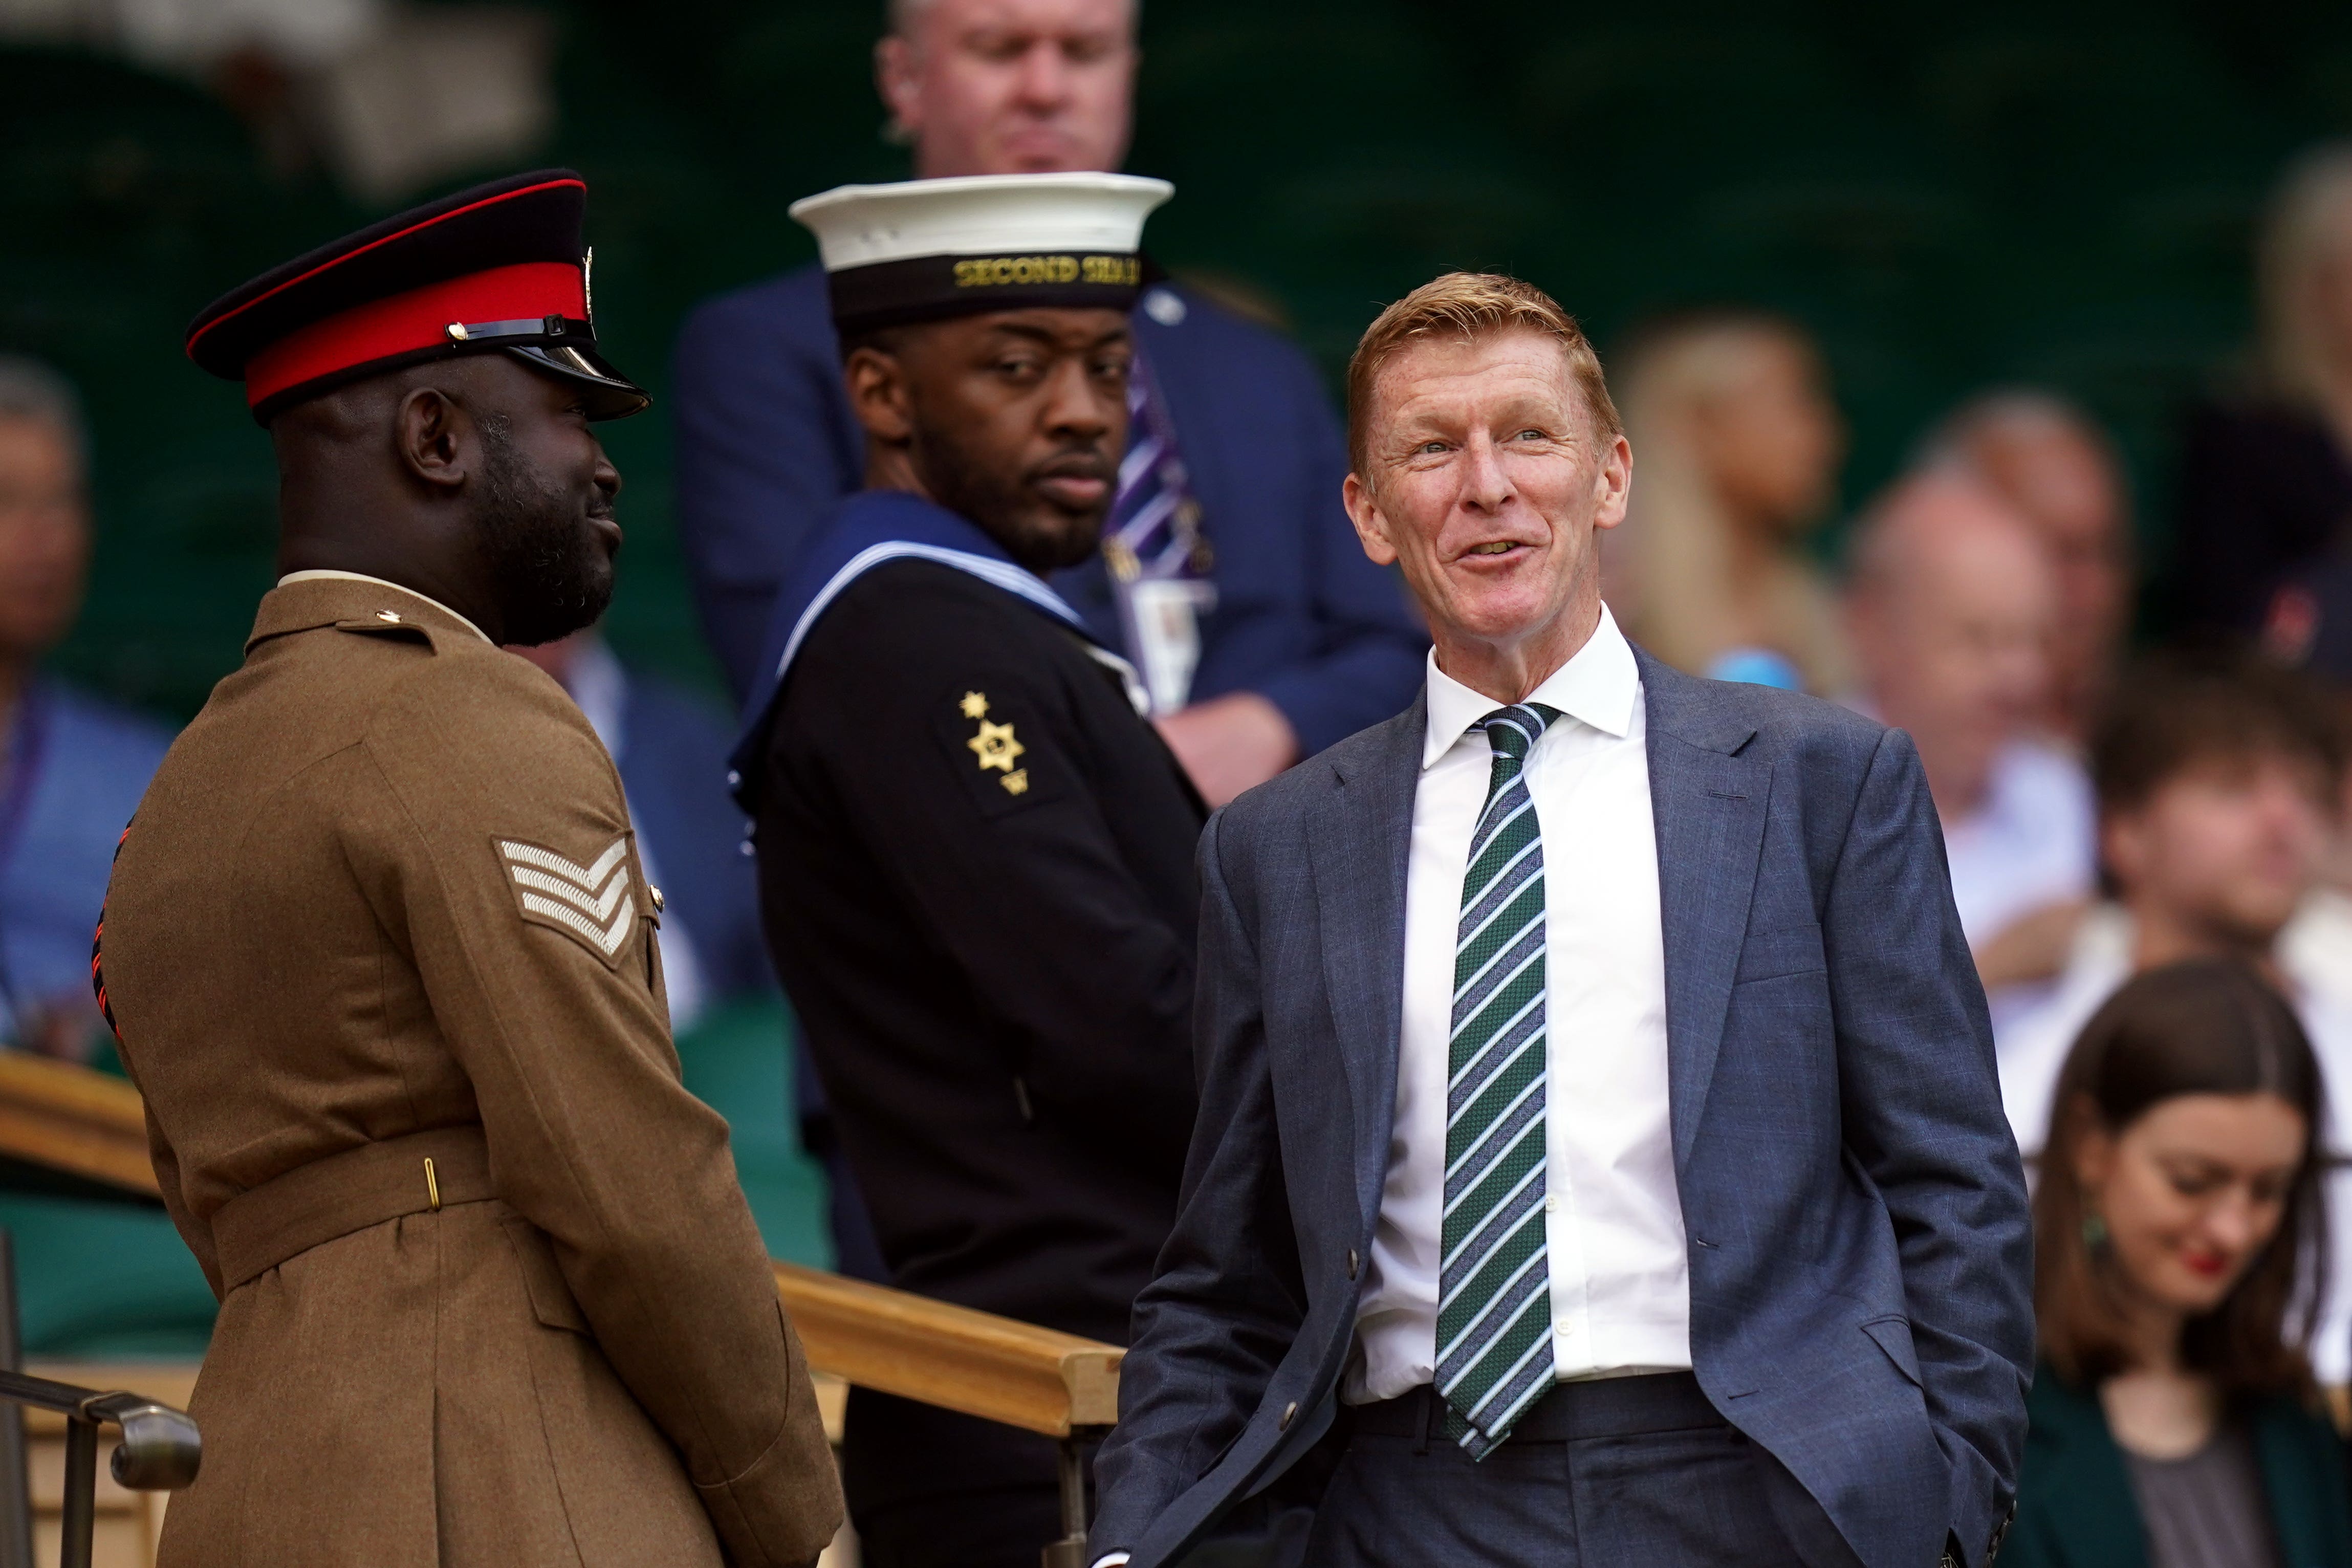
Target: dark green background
(1950, 196)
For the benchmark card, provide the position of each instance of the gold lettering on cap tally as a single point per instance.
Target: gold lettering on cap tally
(996, 271)
(1002, 271)
(1121, 271)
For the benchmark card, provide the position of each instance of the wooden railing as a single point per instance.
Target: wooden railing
(953, 1357)
(87, 1125)
(91, 1126)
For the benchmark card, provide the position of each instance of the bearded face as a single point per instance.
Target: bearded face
(548, 537)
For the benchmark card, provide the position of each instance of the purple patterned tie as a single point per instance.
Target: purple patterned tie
(1157, 556)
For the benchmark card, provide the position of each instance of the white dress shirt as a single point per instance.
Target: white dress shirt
(1613, 1223)
(2032, 840)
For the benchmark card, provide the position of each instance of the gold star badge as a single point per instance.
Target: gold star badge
(1016, 782)
(994, 746)
(974, 705)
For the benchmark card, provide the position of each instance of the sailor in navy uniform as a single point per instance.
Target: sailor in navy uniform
(975, 853)
(1228, 565)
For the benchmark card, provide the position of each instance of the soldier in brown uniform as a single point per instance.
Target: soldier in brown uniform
(381, 956)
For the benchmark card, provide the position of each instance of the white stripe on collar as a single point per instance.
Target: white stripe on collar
(1001, 573)
(324, 574)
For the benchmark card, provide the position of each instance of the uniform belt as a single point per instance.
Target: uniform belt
(263, 1226)
(1589, 1407)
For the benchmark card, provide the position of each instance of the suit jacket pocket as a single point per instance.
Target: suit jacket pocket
(552, 1301)
(1778, 951)
(1893, 1335)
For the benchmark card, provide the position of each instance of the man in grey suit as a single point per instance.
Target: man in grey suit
(1598, 1112)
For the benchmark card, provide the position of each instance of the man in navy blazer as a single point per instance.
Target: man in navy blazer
(1298, 638)
(1599, 1145)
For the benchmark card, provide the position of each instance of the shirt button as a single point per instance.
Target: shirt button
(1563, 1328)
(1551, 1205)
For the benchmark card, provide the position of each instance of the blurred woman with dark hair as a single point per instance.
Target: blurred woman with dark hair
(2180, 1241)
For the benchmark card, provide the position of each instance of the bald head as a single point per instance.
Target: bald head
(2046, 458)
(1952, 605)
(1933, 524)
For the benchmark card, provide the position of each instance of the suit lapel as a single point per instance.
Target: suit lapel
(1707, 804)
(1359, 850)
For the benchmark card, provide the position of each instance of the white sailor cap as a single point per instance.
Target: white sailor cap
(922, 251)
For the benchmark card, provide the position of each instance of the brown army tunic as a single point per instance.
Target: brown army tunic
(382, 904)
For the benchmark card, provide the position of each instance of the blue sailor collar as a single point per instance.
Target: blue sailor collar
(868, 530)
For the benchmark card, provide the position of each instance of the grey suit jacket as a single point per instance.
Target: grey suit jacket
(1860, 1250)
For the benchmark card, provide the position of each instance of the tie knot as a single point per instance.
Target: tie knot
(1512, 731)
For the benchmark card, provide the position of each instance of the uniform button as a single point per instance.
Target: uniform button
(1352, 1261)
(1288, 1410)
(733, 778)
(387, 615)
(654, 893)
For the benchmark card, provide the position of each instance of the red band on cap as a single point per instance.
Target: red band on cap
(343, 257)
(419, 318)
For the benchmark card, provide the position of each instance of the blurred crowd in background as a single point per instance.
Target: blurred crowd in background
(2125, 778)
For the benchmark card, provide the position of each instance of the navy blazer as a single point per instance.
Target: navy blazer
(767, 447)
(1860, 1250)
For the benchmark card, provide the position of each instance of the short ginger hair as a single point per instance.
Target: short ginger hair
(1466, 306)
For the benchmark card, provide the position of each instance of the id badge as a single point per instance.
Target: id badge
(1166, 613)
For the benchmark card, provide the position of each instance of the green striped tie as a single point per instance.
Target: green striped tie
(1494, 1297)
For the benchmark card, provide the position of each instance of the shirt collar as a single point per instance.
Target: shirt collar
(323, 574)
(1598, 686)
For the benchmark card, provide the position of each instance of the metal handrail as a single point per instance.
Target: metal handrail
(159, 1451)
